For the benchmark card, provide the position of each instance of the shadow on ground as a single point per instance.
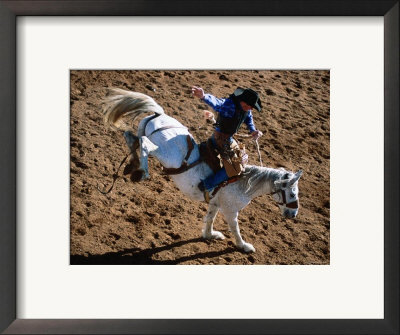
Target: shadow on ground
(136, 256)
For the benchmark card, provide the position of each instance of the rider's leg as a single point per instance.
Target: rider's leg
(220, 176)
(211, 182)
(214, 180)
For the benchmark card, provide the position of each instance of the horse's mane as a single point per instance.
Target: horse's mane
(121, 106)
(255, 177)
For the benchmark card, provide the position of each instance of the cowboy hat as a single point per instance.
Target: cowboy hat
(248, 96)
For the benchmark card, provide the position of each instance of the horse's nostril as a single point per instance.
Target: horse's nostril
(289, 214)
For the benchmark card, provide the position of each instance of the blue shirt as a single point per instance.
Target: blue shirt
(227, 108)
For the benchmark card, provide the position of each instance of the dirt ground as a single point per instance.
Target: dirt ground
(152, 222)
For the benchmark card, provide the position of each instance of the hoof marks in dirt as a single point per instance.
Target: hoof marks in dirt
(80, 165)
(81, 231)
(298, 84)
(273, 249)
(133, 219)
(251, 259)
(116, 236)
(325, 250)
(270, 92)
(288, 227)
(175, 236)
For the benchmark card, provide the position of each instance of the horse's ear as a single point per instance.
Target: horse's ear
(296, 177)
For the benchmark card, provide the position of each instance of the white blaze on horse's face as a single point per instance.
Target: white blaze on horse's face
(287, 194)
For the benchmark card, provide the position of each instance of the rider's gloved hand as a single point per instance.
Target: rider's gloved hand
(198, 92)
(256, 134)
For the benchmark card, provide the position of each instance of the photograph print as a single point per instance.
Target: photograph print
(193, 167)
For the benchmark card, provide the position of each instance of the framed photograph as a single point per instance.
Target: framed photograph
(322, 83)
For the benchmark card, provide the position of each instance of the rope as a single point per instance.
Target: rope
(259, 153)
(257, 145)
(242, 135)
(115, 177)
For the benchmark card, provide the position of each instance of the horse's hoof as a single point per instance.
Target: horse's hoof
(129, 168)
(215, 235)
(247, 247)
(218, 235)
(137, 176)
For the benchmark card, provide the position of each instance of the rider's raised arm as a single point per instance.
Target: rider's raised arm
(213, 102)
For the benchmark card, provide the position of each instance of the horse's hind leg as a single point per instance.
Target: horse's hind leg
(132, 142)
(132, 167)
(138, 166)
(208, 232)
(146, 148)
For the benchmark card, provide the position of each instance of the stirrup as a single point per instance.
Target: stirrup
(206, 194)
(207, 197)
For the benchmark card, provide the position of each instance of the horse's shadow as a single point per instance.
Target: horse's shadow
(137, 256)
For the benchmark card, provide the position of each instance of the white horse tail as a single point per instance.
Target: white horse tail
(123, 107)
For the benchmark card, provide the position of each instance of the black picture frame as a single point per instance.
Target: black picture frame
(10, 10)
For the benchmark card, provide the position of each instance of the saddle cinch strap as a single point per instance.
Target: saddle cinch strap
(225, 183)
(185, 166)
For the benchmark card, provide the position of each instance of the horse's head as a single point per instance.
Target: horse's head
(286, 194)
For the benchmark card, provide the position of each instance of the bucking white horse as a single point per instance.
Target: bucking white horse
(166, 139)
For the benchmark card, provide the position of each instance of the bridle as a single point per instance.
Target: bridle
(291, 204)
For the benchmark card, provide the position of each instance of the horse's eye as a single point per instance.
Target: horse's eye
(292, 195)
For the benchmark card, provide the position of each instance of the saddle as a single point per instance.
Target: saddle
(210, 155)
(233, 160)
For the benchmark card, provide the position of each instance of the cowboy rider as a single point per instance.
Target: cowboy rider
(232, 112)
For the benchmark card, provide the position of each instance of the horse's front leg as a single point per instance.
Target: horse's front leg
(208, 232)
(232, 220)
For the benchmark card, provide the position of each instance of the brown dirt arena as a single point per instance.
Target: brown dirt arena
(152, 222)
